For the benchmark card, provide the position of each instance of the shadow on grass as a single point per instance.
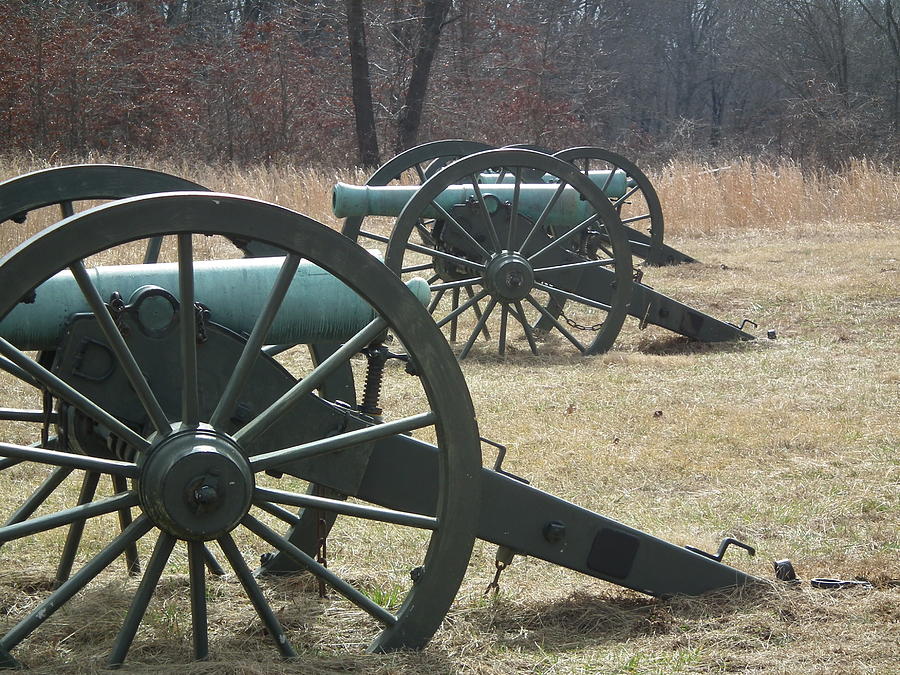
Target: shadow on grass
(584, 619)
(680, 345)
(675, 345)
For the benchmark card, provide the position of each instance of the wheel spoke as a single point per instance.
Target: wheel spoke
(608, 180)
(251, 588)
(556, 324)
(16, 371)
(279, 512)
(425, 235)
(463, 307)
(514, 214)
(539, 223)
(79, 580)
(263, 495)
(315, 378)
(120, 348)
(504, 313)
(9, 662)
(374, 236)
(443, 255)
(572, 296)
(69, 459)
(275, 350)
(271, 460)
(67, 209)
(40, 495)
(132, 562)
(478, 326)
(634, 219)
(463, 231)
(154, 246)
(362, 601)
(621, 200)
(417, 268)
(76, 529)
(66, 516)
(214, 566)
(62, 390)
(17, 415)
(477, 309)
(519, 314)
(600, 262)
(435, 300)
(433, 252)
(558, 241)
(190, 390)
(455, 284)
(256, 340)
(489, 222)
(454, 305)
(199, 625)
(158, 559)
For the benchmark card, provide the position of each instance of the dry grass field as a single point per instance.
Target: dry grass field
(792, 445)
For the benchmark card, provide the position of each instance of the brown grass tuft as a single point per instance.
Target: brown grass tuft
(748, 194)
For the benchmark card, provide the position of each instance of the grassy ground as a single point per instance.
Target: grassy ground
(789, 444)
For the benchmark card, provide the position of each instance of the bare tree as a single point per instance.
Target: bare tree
(431, 24)
(364, 114)
(885, 14)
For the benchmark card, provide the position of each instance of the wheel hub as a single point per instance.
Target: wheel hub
(196, 484)
(509, 276)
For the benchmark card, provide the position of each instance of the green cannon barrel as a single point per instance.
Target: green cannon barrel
(614, 183)
(389, 200)
(317, 308)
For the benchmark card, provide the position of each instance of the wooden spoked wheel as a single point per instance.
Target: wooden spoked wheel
(201, 419)
(557, 267)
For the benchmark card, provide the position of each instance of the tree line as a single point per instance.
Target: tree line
(356, 81)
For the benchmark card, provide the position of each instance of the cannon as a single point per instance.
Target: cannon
(552, 256)
(210, 440)
(638, 206)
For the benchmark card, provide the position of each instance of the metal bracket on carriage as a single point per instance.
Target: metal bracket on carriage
(723, 546)
(498, 463)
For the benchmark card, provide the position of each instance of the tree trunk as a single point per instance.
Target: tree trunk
(411, 112)
(366, 134)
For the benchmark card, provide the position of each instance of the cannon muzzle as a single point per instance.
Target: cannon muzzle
(318, 306)
(389, 200)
